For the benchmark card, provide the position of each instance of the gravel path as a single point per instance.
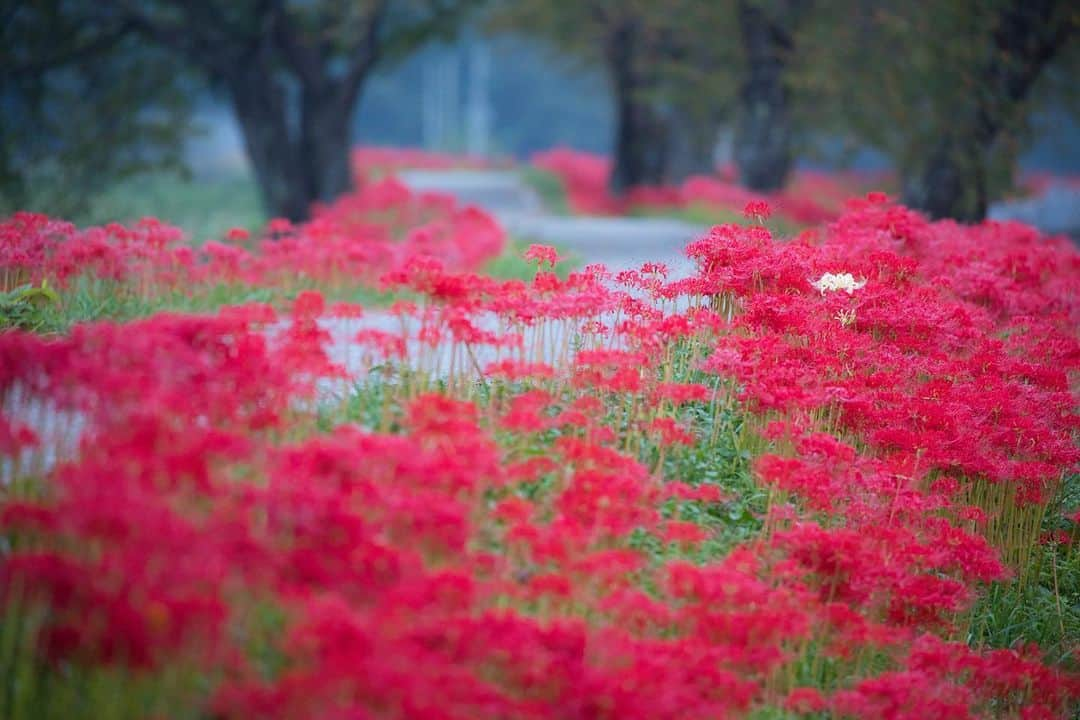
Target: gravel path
(618, 242)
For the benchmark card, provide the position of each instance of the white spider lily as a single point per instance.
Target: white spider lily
(840, 281)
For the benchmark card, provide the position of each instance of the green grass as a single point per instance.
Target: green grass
(512, 265)
(205, 208)
(549, 187)
(1044, 606)
(28, 307)
(91, 300)
(1046, 612)
(52, 311)
(700, 214)
(715, 459)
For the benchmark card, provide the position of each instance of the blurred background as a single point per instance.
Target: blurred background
(215, 113)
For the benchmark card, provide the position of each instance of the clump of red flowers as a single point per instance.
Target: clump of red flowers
(813, 198)
(757, 210)
(352, 241)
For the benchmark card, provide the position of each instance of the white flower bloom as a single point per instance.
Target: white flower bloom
(840, 281)
(845, 317)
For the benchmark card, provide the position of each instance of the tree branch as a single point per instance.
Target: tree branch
(1023, 46)
(365, 53)
(306, 61)
(404, 40)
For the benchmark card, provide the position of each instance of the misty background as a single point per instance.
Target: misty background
(513, 96)
(252, 106)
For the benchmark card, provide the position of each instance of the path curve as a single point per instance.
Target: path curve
(620, 243)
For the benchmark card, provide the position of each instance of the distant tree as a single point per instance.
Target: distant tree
(678, 71)
(764, 127)
(82, 104)
(293, 72)
(699, 71)
(88, 80)
(1024, 38)
(641, 137)
(634, 41)
(944, 87)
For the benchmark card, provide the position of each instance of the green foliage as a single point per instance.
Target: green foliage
(89, 299)
(29, 308)
(45, 309)
(715, 459)
(904, 78)
(1046, 612)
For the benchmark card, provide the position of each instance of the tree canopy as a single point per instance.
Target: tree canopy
(81, 100)
(945, 89)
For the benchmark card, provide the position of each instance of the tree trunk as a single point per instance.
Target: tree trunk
(295, 164)
(640, 147)
(261, 107)
(640, 134)
(762, 144)
(298, 143)
(326, 116)
(952, 183)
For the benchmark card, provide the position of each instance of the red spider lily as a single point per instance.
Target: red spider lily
(542, 254)
(805, 700)
(668, 432)
(757, 210)
(517, 370)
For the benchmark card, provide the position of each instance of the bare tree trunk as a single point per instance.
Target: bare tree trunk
(261, 107)
(295, 164)
(762, 144)
(952, 182)
(324, 142)
(640, 147)
(640, 134)
(298, 142)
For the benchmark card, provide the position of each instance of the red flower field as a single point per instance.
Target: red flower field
(785, 486)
